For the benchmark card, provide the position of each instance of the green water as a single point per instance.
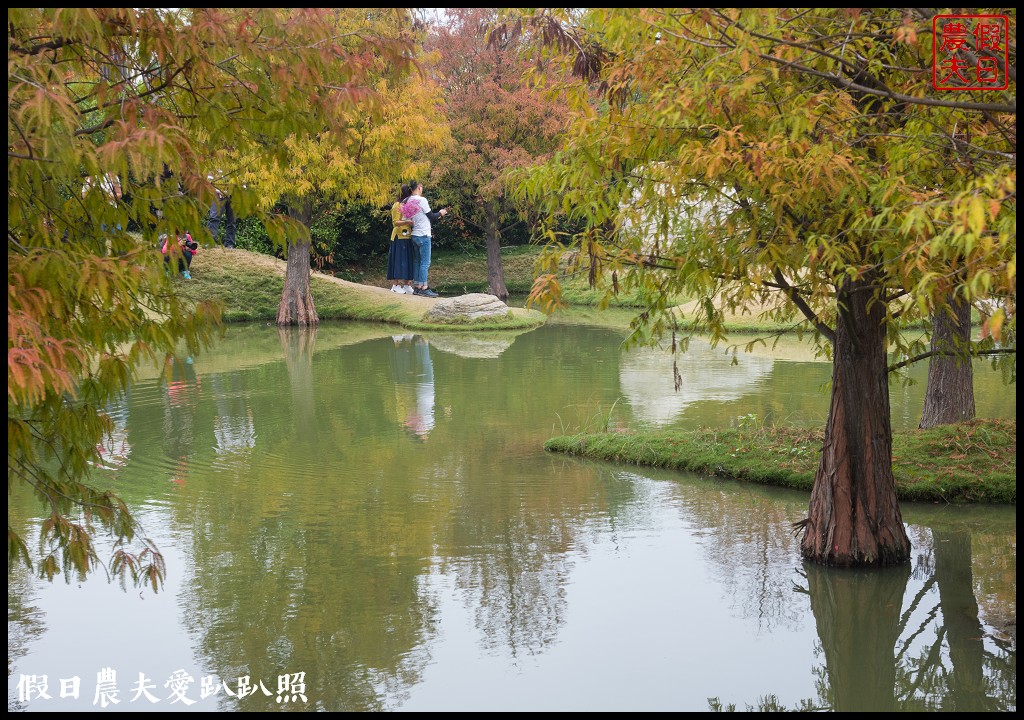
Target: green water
(370, 519)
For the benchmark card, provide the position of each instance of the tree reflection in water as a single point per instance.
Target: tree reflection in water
(401, 573)
(892, 648)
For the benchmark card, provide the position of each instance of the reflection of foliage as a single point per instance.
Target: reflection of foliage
(516, 585)
(892, 646)
(995, 577)
(320, 570)
(520, 600)
(24, 621)
(302, 564)
(746, 531)
(281, 606)
(768, 703)
(281, 591)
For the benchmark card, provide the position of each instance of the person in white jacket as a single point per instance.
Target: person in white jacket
(416, 208)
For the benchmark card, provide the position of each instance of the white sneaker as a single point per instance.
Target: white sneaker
(408, 290)
(398, 289)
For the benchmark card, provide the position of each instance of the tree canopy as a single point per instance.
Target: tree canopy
(499, 122)
(115, 118)
(794, 160)
(389, 131)
(738, 142)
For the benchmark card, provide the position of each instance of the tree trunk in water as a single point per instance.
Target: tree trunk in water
(296, 300)
(854, 517)
(949, 397)
(495, 270)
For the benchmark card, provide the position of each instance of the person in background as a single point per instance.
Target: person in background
(184, 249)
(189, 248)
(400, 252)
(416, 208)
(221, 207)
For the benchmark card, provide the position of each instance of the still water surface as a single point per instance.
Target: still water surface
(356, 520)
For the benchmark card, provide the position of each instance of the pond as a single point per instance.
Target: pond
(360, 519)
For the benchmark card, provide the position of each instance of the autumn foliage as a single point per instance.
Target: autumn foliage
(499, 122)
(116, 119)
(795, 160)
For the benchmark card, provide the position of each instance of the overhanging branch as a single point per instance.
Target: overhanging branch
(949, 353)
(804, 308)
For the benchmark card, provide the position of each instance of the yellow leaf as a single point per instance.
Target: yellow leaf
(995, 323)
(976, 215)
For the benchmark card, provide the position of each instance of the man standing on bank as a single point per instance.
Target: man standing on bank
(221, 207)
(421, 216)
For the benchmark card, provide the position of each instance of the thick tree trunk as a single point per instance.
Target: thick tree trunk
(949, 397)
(296, 300)
(854, 517)
(495, 270)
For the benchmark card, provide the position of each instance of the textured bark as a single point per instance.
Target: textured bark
(296, 300)
(949, 397)
(854, 517)
(495, 270)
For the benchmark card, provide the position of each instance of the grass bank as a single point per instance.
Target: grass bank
(249, 286)
(974, 462)
(455, 272)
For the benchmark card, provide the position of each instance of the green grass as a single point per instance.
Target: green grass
(254, 295)
(457, 272)
(973, 462)
(464, 271)
(454, 272)
(248, 285)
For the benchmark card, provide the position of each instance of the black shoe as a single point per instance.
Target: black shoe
(427, 292)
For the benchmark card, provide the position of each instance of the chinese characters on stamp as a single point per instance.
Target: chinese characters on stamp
(970, 52)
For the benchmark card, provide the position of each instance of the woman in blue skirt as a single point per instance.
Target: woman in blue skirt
(400, 257)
